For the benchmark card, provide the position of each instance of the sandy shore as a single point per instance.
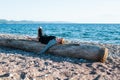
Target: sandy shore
(21, 65)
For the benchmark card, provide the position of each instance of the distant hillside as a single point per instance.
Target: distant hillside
(4, 21)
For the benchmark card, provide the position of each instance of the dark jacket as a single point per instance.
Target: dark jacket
(45, 39)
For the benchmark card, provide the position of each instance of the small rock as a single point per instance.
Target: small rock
(46, 63)
(109, 73)
(57, 78)
(92, 72)
(5, 75)
(36, 64)
(98, 77)
(41, 69)
(2, 62)
(23, 75)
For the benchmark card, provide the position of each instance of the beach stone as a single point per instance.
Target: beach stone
(3, 62)
(46, 63)
(36, 64)
(93, 72)
(23, 75)
(5, 75)
(56, 78)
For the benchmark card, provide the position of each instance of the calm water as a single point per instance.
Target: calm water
(103, 33)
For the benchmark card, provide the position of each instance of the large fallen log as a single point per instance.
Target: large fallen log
(70, 50)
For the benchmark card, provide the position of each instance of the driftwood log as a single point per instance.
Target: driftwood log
(70, 50)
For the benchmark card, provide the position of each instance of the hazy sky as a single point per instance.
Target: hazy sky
(82, 11)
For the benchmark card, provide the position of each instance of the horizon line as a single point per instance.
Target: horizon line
(73, 22)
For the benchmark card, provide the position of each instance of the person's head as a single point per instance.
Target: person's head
(60, 40)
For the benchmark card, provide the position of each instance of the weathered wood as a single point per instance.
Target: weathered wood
(70, 50)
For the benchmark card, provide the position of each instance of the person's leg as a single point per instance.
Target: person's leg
(49, 45)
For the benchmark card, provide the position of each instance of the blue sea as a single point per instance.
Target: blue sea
(100, 33)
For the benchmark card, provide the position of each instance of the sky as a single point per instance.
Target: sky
(79, 11)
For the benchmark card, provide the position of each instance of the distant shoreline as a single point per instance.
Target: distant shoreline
(4, 21)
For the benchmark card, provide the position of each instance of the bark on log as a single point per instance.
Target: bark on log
(70, 50)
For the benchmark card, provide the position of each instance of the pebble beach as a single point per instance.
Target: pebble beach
(17, 64)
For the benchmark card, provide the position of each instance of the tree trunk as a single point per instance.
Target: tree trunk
(70, 50)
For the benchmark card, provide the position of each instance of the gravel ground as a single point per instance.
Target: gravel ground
(20, 65)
